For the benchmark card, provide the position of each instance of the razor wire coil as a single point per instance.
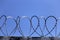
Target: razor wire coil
(18, 26)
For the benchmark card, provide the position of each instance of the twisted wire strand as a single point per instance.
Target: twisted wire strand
(36, 27)
(19, 28)
(14, 30)
(49, 32)
(43, 26)
(29, 22)
(3, 24)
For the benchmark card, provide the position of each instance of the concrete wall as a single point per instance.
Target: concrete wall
(33, 38)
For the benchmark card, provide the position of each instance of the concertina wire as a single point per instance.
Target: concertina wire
(18, 27)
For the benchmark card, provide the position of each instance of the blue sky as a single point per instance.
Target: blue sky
(32, 7)
(29, 8)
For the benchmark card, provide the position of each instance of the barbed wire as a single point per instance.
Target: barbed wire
(49, 32)
(18, 25)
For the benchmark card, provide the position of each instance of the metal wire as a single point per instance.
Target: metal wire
(49, 32)
(1, 26)
(33, 27)
(18, 25)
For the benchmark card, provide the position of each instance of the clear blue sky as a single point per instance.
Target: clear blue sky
(29, 8)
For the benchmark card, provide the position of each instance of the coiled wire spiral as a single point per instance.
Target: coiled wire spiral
(18, 27)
